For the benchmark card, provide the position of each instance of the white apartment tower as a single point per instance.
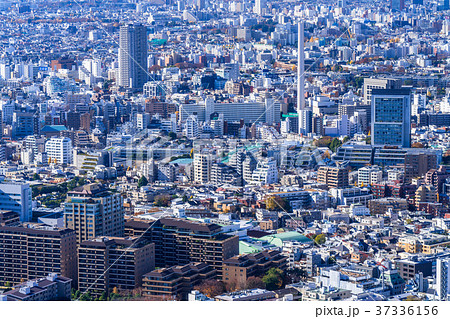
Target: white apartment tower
(202, 168)
(59, 150)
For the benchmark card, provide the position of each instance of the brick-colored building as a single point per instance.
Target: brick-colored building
(105, 263)
(32, 252)
(239, 268)
(334, 177)
(176, 282)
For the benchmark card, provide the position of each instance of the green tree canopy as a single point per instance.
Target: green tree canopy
(143, 181)
(273, 279)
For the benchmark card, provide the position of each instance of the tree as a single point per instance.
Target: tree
(103, 297)
(143, 181)
(86, 297)
(254, 282)
(35, 177)
(277, 203)
(320, 239)
(172, 136)
(417, 145)
(162, 200)
(211, 288)
(335, 144)
(273, 279)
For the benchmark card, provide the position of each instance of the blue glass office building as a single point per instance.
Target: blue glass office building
(391, 117)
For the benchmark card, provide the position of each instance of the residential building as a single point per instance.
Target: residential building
(59, 150)
(180, 241)
(202, 167)
(32, 252)
(91, 210)
(133, 56)
(176, 282)
(334, 177)
(50, 288)
(369, 175)
(236, 270)
(105, 263)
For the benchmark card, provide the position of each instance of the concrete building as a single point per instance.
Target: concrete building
(92, 211)
(59, 150)
(105, 263)
(133, 56)
(373, 83)
(391, 118)
(334, 177)
(37, 251)
(50, 288)
(16, 197)
(202, 167)
(442, 278)
(369, 175)
(175, 283)
(179, 241)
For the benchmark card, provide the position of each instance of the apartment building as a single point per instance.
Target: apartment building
(238, 269)
(91, 210)
(381, 205)
(425, 244)
(34, 251)
(180, 241)
(176, 282)
(51, 287)
(17, 198)
(105, 263)
(202, 168)
(334, 177)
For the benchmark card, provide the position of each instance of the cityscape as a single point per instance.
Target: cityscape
(230, 150)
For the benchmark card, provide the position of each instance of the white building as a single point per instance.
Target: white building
(202, 168)
(192, 130)
(16, 197)
(369, 175)
(442, 276)
(142, 120)
(59, 150)
(266, 172)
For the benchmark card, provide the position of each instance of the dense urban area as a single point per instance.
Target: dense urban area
(225, 150)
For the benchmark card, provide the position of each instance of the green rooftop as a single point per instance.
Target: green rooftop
(278, 239)
(247, 248)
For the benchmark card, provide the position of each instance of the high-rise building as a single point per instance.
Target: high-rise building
(391, 118)
(106, 263)
(259, 7)
(133, 56)
(442, 277)
(397, 5)
(418, 162)
(443, 5)
(59, 150)
(32, 252)
(202, 167)
(16, 197)
(91, 210)
(180, 241)
(383, 83)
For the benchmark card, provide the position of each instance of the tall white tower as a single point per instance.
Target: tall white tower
(304, 114)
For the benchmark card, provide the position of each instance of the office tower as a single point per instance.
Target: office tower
(16, 197)
(391, 118)
(334, 177)
(397, 5)
(200, 4)
(24, 124)
(181, 241)
(73, 120)
(305, 117)
(202, 168)
(32, 252)
(259, 7)
(107, 263)
(59, 150)
(133, 56)
(92, 210)
(443, 5)
(175, 283)
(442, 276)
(383, 83)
